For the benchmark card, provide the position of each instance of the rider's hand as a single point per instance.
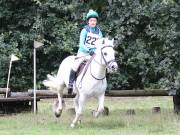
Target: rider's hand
(91, 53)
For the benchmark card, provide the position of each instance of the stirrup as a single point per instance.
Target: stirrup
(70, 88)
(70, 91)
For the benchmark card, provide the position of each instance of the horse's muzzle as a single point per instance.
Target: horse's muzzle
(112, 67)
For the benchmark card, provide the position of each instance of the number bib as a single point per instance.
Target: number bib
(90, 40)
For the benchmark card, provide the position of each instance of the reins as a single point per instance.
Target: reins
(93, 59)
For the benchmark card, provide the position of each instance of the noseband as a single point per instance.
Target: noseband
(107, 63)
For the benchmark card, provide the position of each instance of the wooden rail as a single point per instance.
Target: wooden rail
(3, 90)
(18, 99)
(110, 93)
(17, 104)
(131, 93)
(47, 94)
(21, 101)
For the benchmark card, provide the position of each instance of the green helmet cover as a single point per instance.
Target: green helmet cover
(92, 14)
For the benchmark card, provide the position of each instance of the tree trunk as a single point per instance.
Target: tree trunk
(176, 101)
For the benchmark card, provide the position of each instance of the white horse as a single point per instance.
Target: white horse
(90, 83)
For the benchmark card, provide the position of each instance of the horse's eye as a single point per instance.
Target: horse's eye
(105, 54)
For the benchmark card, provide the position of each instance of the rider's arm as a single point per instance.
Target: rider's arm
(82, 41)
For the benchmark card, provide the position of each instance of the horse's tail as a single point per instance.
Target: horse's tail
(51, 82)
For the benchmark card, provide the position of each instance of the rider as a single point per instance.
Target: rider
(89, 34)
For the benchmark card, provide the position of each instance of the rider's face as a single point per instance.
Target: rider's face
(92, 22)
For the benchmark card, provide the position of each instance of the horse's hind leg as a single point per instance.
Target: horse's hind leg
(59, 107)
(81, 101)
(100, 106)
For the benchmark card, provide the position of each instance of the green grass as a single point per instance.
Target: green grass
(144, 122)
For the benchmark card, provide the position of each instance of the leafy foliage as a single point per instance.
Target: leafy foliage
(146, 34)
(148, 42)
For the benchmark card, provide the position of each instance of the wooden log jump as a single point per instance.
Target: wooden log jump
(17, 104)
(3, 91)
(110, 93)
(131, 93)
(47, 94)
(25, 99)
(113, 93)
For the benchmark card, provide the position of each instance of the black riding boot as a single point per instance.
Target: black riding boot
(71, 80)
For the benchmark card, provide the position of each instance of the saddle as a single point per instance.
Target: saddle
(85, 64)
(81, 67)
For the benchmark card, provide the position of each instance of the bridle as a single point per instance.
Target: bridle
(107, 63)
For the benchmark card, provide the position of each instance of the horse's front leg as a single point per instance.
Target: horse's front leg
(78, 110)
(76, 102)
(100, 106)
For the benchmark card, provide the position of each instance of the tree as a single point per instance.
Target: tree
(146, 35)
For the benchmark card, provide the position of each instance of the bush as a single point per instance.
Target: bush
(146, 33)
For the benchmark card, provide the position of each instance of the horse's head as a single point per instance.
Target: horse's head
(105, 48)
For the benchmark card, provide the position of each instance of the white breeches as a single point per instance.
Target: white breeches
(80, 58)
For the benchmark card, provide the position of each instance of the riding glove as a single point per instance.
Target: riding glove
(91, 52)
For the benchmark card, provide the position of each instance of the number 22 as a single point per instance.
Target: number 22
(90, 40)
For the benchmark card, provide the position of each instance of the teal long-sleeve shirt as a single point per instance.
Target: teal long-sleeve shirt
(83, 35)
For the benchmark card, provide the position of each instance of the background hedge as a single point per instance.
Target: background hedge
(146, 32)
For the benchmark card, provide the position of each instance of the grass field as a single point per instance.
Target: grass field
(144, 122)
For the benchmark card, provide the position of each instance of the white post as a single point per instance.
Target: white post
(36, 45)
(7, 88)
(34, 80)
(13, 58)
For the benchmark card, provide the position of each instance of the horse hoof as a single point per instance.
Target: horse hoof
(72, 125)
(105, 111)
(57, 115)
